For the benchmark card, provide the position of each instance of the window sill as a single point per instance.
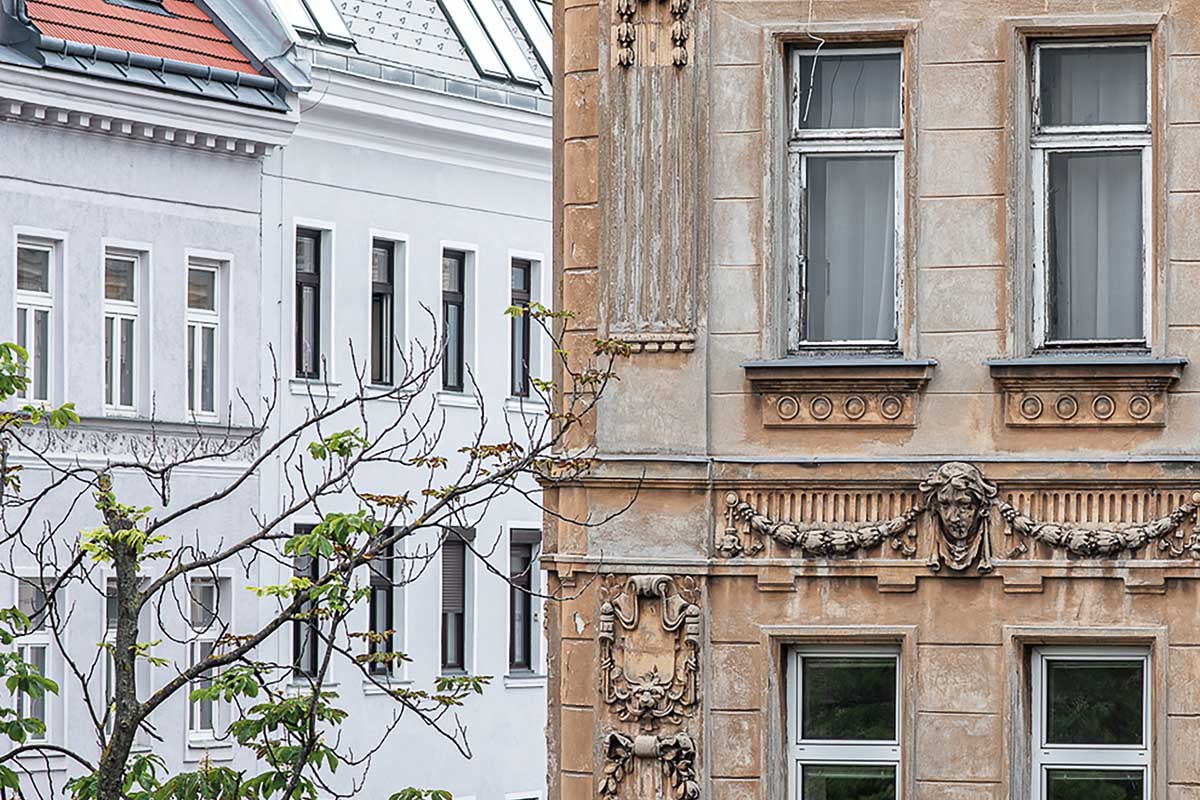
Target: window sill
(839, 391)
(209, 743)
(1081, 390)
(525, 405)
(524, 680)
(383, 683)
(305, 387)
(457, 400)
(114, 412)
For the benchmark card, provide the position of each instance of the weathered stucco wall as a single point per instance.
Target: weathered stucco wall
(689, 424)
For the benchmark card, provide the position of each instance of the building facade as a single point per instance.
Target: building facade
(412, 203)
(909, 414)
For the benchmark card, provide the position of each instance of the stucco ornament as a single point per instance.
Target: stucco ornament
(649, 647)
(1095, 542)
(960, 501)
(675, 753)
(830, 539)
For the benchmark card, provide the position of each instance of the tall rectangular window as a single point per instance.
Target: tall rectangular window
(1091, 171)
(1091, 723)
(844, 723)
(846, 154)
(306, 631)
(383, 313)
(122, 311)
(454, 304)
(308, 303)
(33, 647)
(203, 335)
(35, 309)
(208, 625)
(522, 565)
(454, 599)
(382, 610)
(522, 284)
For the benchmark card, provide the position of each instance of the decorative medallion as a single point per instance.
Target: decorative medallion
(649, 647)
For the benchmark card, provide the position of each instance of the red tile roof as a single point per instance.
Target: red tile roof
(188, 35)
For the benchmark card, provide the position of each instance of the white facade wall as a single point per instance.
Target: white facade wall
(428, 171)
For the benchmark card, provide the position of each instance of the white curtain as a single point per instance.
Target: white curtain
(851, 249)
(1095, 232)
(850, 91)
(1093, 86)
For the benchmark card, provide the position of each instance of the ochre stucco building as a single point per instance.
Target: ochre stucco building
(912, 290)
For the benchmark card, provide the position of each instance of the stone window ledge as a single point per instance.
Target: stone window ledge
(1086, 390)
(846, 392)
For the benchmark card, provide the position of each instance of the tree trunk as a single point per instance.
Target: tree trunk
(124, 722)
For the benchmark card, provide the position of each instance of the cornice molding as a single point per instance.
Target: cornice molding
(110, 108)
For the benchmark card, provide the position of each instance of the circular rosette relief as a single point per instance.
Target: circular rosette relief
(787, 407)
(1066, 406)
(1103, 406)
(1140, 406)
(820, 407)
(854, 407)
(1031, 406)
(891, 407)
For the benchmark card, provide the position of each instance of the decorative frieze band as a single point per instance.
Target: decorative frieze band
(950, 516)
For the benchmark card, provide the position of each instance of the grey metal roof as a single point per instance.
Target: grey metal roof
(478, 41)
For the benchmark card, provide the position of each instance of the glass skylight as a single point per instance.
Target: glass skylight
(502, 37)
(535, 29)
(474, 38)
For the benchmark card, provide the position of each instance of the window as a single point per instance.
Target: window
(1091, 725)
(844, 723)
(454, 269)
(33, 647)
(203, 335)
(306, 631)
(110, 640)
(522, 552)
(454, 599)
(122, 294)
(208, 625)
(383, 314)
(1091, 167)
(522, 280)
(382, 610)
(846, 162)
(308, 303)
(35, 308)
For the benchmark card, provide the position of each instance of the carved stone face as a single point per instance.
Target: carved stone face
(959, 510)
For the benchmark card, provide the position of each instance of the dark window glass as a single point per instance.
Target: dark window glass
(202, 289)
(454, 599)
(306, 640)
(33, 270)
(1070, 784)
(383, 596)
(308, 303)
(453, 312)
(847, 782)
(1094, 702)
(119, 276)
(1093, 86)
(32, 601)
(522, 273)
(848, 698)
(521, 555)
(383, 270)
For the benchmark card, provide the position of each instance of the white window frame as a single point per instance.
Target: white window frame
(827, 142)
(118, 311)
(803, 752)
(35, 638)
(210, 635)
(33, 302)
(1081, 756)
(199, 319)
(1049, 139)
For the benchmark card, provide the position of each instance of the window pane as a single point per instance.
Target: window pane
(33, 270)
(208, 355)
(381, 263)
(110, 607)
(1100, 86)
(118, 279)
(1064, 784)
(849, 699)
(23, 340)
(204, 604)
(41, 355)
(1095, 245)
(1094, 702)
(520, 279)
(452, 364)
(845, 782)
(520, 356)
(307, 254)
(31, 600)
(381, 338)
(191, 367)
(850, 91)
(452, 269)
(850, 290)
(308, 330)
(126, 362)
(109, 333)
(202, 289)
